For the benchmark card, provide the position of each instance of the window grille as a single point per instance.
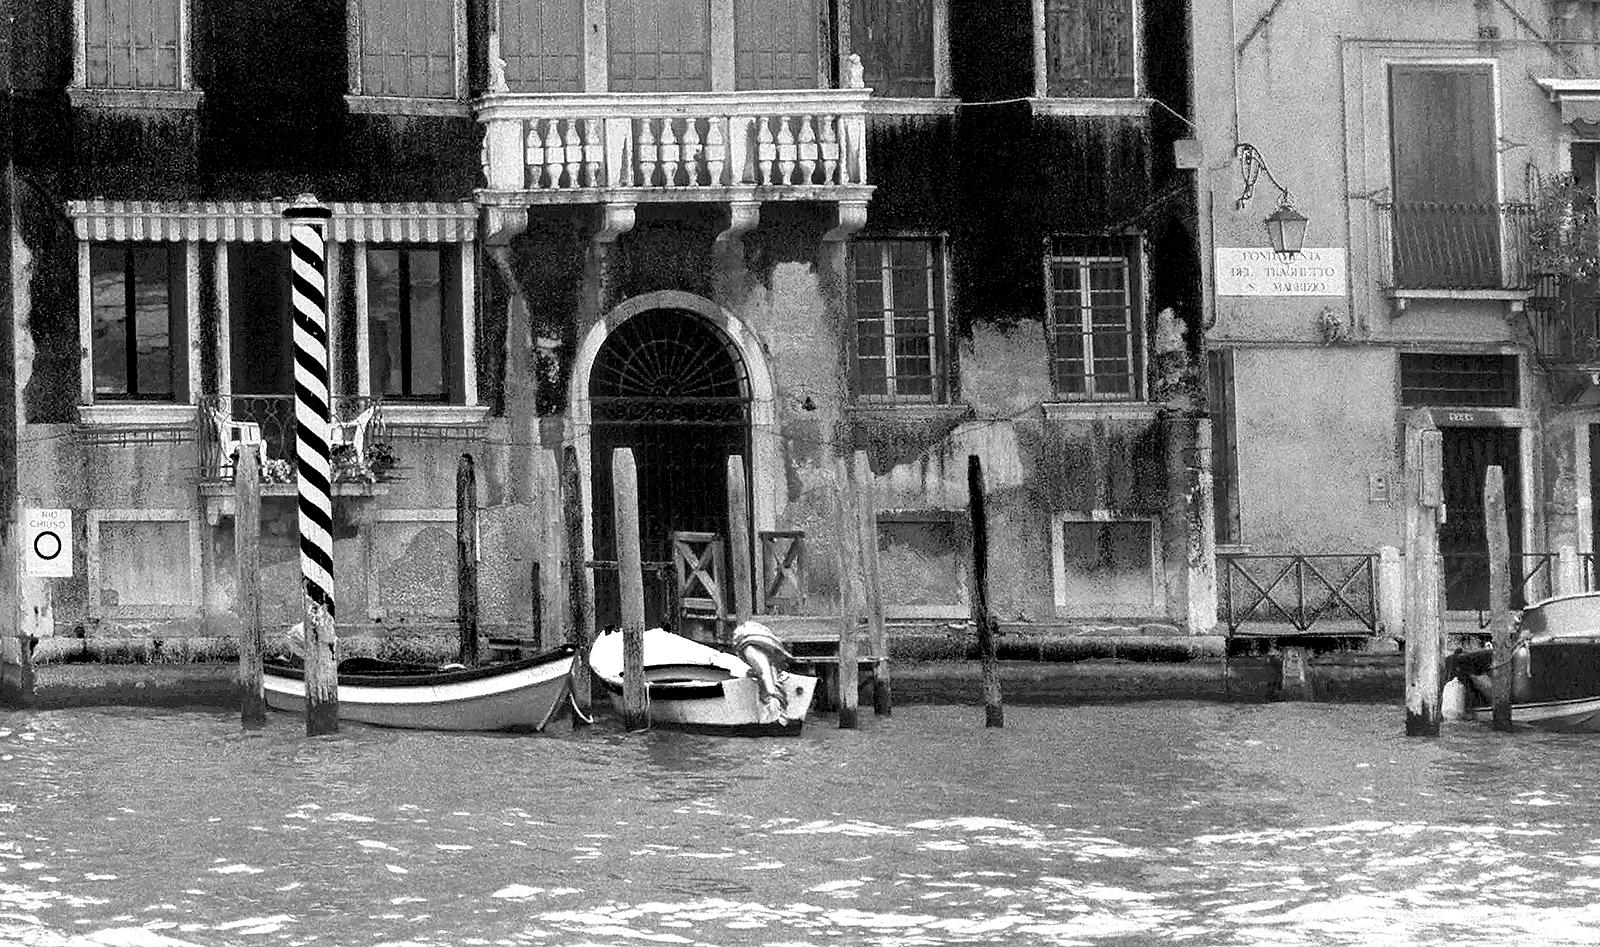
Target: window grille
(899, 320)
(1096, 320)
(1431, 378)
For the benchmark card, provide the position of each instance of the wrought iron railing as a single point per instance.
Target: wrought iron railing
(1564, 320)
(274, 417)
(1427, 245)
(1466, 581)
(1298, 590)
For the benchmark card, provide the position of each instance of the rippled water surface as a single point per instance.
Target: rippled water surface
(1151, 823)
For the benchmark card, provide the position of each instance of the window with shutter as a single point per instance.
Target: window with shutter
(659, 45)
(542, 44)
(132, 44)
(777, 43)
(895, 41)
(408, 48)
(1091, 47)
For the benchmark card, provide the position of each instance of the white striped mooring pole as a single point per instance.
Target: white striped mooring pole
(308, 223)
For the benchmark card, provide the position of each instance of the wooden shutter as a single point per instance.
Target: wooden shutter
(895, 41)
(1090, 47)
(1446, 219)
(659, 45)
(131, 44)
(542, 44)
(776, 43)
(408, 48)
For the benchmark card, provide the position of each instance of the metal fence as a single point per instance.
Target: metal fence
(1298, 590)
(1454, 245)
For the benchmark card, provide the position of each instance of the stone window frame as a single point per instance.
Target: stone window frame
(93, 519)
(960, 526)
(370, 546)
(79, 92)
(359, 102)
(944, 353)
(127, 411)
(1058, 572)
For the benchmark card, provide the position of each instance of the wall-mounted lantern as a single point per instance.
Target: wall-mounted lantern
(1286, 227)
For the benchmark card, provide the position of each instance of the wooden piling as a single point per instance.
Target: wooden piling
(1424, 631)
(247, 562)
(739, 539)
(1494, 522)
(848, 679)
(467, 561)
(630, 568)
(867, 545)
(993, 711)
(580, 586)
(550, 618)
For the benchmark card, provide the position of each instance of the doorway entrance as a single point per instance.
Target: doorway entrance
(669, 385)
(1467, 453)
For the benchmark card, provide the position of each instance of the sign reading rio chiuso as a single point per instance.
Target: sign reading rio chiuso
(47, 543)
(1255, 271)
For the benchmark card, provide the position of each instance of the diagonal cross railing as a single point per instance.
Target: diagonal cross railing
(1299, 590)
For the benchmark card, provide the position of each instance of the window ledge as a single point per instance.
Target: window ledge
(180, 99)
(910, 410)
(401, 414)
(1081, 106)
(1515, 298)
(1079, 410)
(406, 105)
(137, 415)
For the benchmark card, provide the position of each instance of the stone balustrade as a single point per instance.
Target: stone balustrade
(774, 145)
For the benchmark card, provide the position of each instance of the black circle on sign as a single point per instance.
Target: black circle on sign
(48, 539)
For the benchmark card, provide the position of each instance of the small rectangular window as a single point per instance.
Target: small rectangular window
(1105, 565)
(134, 320)
(1096, 319)
(899, 320)
(1092, 48)
(132, 44)
(411, 322)
(1462, 380)
(408, 48)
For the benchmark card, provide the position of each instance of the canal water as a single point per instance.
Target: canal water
(1167, 822)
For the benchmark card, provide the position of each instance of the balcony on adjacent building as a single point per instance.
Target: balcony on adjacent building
(1453, 251)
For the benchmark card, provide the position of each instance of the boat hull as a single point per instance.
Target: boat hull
(701, 689)
(1580, 715)
(521, 695)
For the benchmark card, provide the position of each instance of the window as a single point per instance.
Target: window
(1104, 563)
(899, 320)
(659, 45)
(138, 332)
(542, 44)
(1224, 447)
(776, 44)
(407, 48)
(1446, 226)
(895, 39)
(132, 44)
(1096, 319)
(1091, 47)
(1488, 381)
(414, 323)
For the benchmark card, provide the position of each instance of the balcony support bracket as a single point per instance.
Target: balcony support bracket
(501, 225)
(743, 217)
(616, 219)
(850, 217)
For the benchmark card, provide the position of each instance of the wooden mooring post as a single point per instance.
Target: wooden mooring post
(1424, 630)
(1499, 541)
(580, 587)
(467, 561)
(247, 563)
(849, 673)
(739, 540)
(994, 714)
(867, 544)
(630, 569)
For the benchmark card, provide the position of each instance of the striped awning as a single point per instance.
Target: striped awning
(263, 221)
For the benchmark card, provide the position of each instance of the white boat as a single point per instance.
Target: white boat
(514, 695)
(692, 686)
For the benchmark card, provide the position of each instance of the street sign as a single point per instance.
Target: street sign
(1249, 271)
(47, 543)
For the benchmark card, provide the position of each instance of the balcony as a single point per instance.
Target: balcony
(1454, 251)
(625, 148)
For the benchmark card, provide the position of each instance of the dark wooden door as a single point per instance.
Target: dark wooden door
(778, 43)
(1468, 452)
(542, 44)
(1446, 223)
(667, 386)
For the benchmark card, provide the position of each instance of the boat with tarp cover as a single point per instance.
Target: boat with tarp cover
(510, 695)
(1555, 669)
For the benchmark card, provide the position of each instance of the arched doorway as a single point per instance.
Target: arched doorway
(671, 386)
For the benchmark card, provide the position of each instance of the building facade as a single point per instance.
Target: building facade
(1431, 153)
(781, 230)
